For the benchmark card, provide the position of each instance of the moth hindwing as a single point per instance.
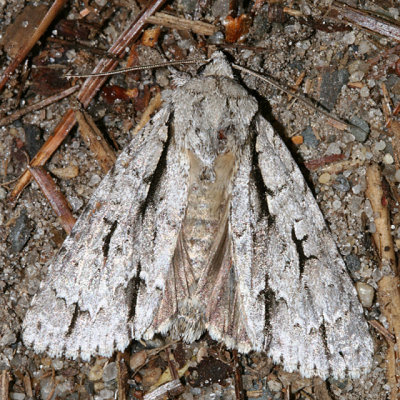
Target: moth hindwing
(205, 223)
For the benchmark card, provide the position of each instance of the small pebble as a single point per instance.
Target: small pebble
(151, 376)
(309, 137)
(364, 47)
(33, 139)
(137, 360)
(297, 140)
(337, 204)
(324, 178)
(353, 263)
(376, 275)
(274, 386)
(57, 364)
(388, 159)
(379, 146)
(364, 92)
(106, 394)
(110, 372)
(17, 396)
(94, 180)
(341, 184)
(217, 38)
(96, 372)
(366, 294)
(3, 193)
(331, 85)
(46, 387)
(8, 337)
(69, 172)
(349, 38)
(333, 148)
(202, 354)
(97, 386)
(360, 129)
(187, 396)
(397, 175)
(20, 233)
(356, 76)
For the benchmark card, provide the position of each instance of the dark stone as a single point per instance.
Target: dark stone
(33, 139)
(341, 184)
(309, 138)
(359, 129)
(353, 263)
(20, 233)
(332, 83)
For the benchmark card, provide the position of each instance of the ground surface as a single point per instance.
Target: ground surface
(342, 70)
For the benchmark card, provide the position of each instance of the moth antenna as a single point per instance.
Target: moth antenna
(307, 102)
(136, 68)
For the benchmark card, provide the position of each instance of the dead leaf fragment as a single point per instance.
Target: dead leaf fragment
(236, 28)
(150, 36)
(22, 29)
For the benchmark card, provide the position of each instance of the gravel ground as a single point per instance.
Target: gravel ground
(278, 47)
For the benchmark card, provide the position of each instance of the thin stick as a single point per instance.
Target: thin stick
(37, 106)
(58, 202)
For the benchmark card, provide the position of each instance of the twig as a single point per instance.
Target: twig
(56, 199)
(169, 389)
(4, 385)
(94, 139)
(53, 388)
(383, 331)
(47, 20)
(37, 106)
(395, 130)
(239, 393)
(122, 376)
(171, 21)
(28, 385)
(92, 85)
(363, 20)
(388, 286)
(320, 162)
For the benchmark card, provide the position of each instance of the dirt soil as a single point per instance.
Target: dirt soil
(346, 69)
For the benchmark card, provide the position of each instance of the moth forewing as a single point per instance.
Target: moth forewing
(209, 226)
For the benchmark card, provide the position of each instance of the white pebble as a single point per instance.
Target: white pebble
(388, 159)
(337, 204)
(366, 294)
(379, 146)
(349, 38)
(364, 92)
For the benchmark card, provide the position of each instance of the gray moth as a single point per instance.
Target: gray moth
(205, 223)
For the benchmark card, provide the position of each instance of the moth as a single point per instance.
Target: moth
(205, 223)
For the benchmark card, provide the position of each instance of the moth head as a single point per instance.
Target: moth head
(218, 66)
